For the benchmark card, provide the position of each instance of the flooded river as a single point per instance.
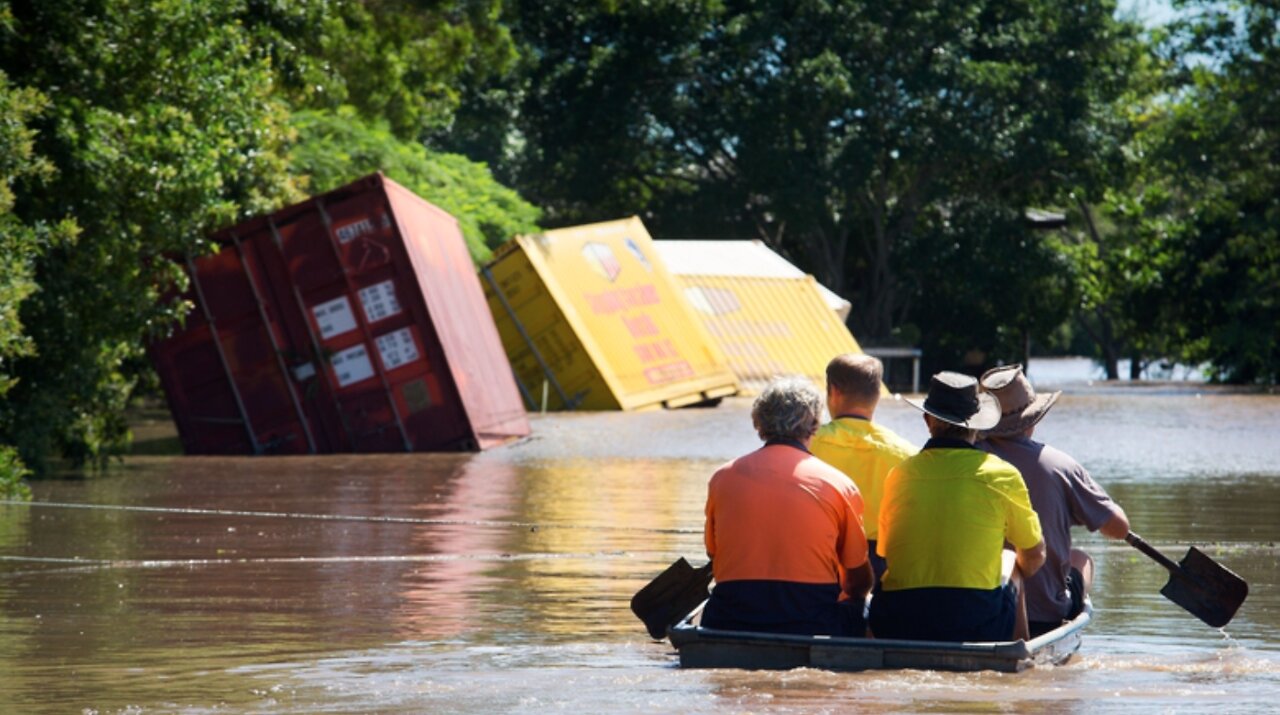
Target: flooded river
(499, 582)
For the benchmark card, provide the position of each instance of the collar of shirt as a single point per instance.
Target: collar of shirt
(946, 443)
(789, 443)
(853, 417)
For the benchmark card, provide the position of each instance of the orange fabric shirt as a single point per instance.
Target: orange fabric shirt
(781, 514)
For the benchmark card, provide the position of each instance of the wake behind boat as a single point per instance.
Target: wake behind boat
(701, 647)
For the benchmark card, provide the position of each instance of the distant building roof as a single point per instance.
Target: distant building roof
(738, 258)
(1040, 218)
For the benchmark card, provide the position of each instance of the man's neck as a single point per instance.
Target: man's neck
(841, 408)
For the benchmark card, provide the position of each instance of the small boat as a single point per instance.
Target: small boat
(701, 647)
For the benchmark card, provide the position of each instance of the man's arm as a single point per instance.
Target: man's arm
(1030, 560)
(1117, 527)
(858, 581)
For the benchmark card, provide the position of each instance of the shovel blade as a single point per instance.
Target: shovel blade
(671, 596)
(1206, 589)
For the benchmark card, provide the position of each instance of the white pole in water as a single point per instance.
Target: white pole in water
(544, 397)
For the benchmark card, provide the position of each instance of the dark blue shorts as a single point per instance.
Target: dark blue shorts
(783, 607)
(945, 614)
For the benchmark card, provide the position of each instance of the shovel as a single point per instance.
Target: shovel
(671, 596)
(1208, 590)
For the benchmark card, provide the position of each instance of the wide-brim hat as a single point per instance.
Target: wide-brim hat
(1020, 406)
(955, 398)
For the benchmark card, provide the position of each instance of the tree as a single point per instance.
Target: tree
(1224, 144)
(838, 132)
(338, 147)
(21, 245)
(404, 63)
(165, 127)
(1118, 228)
(987, 283)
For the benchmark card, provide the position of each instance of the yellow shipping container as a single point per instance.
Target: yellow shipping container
(769, 326)
(590, 318)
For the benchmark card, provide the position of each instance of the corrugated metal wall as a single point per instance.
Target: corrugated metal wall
(743, 259)
(769, 326)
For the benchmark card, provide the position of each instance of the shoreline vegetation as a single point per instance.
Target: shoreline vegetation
(1046, 178)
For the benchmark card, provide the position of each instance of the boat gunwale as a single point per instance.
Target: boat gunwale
(1012, 655)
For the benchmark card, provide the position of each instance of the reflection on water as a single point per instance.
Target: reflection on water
(499, 582)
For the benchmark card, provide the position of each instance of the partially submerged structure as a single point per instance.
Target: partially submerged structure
(767, 316)
(591, 319)
(740, 259)
(351, 322)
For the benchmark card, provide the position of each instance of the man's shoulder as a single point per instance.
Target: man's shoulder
(836, 432)
(890, 441)
(1052, 455)
(997, 467)
(816, 468)
(862, 434)
(1024, 452)
(731, 467)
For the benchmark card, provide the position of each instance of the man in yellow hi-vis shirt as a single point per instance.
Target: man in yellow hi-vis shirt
(851, 442)
(944, 519)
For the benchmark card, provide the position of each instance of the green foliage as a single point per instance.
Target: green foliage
(988, 283)
(335, 148)
(1177, 255)
(165, 127)
(1223, 146)
(400, 62)
(839, 132)
(20, 246)
(12, 470)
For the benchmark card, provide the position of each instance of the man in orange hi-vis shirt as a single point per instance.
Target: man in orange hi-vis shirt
(784, 529)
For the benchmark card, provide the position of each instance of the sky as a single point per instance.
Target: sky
(1152, 12)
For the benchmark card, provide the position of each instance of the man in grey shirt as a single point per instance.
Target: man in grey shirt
(1062, 493)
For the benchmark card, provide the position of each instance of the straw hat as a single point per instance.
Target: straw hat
(1019, 403)
(954, 398)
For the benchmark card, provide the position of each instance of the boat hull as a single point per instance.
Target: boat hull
(700, 647)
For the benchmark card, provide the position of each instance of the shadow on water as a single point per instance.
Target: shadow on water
(499, 582)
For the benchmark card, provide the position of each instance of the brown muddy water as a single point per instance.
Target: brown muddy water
(499, 582)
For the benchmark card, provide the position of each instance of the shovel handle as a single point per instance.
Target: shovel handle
(1136, 542)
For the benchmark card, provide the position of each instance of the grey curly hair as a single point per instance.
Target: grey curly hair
(788, 408)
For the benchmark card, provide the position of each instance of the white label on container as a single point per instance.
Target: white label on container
(351, 231)
(379, 301)
(397, 348)
(304, 371)
(334, 317)
(351, 365)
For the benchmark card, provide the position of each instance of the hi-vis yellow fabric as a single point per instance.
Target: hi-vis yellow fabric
(945, 517)
(865, 452)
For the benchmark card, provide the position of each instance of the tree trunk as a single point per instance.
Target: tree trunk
(1106, 343)
(1104, 336)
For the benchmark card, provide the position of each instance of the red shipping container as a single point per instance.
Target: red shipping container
(352, 322)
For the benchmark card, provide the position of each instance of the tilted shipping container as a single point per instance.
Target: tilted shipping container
(351, 322)
(591, 319)
(742, 259)
(767, 322)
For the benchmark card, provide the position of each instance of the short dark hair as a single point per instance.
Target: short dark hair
(856, 376)
(942, 428)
